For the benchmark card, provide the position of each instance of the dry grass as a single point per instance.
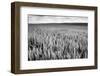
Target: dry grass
(49, 45)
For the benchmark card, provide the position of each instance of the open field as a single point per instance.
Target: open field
(57, 42)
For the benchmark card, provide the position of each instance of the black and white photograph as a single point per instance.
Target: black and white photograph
(52, 37)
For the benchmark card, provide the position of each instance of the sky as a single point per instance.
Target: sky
(35, 19)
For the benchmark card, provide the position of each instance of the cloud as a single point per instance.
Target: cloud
(35, 19)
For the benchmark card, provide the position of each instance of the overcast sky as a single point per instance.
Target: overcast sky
(35, 19)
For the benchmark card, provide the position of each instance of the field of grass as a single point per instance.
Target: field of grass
(56, 44)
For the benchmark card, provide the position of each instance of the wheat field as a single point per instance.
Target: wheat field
(44, 44)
